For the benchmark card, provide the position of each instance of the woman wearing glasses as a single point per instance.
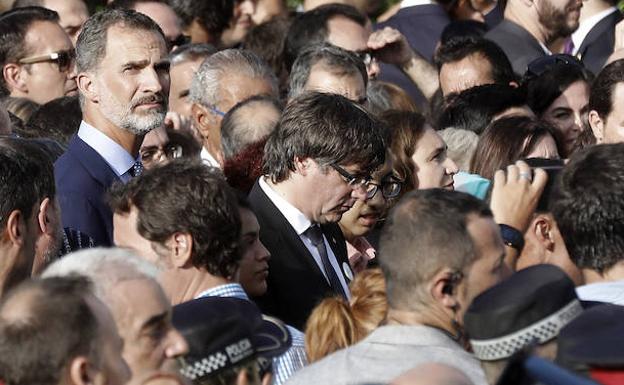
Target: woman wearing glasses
(558, 92)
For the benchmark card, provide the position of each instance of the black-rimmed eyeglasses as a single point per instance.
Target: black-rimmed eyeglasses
(354, 181)
(63, 59)
(390, 188)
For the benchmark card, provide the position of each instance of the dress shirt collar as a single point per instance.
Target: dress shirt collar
(413, 3)
(116, 156)
(234, 290)
(208, 158)
(586, 26)
(296, 218)
(609, 292)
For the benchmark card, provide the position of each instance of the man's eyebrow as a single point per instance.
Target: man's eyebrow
(154, 320)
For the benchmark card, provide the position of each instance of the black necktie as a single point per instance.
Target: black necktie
(314, 234)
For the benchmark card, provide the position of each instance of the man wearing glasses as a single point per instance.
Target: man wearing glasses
(318, 163)
(36, 55)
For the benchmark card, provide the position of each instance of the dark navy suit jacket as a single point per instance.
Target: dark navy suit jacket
(82, 180)
(422, 26)
(598, 44)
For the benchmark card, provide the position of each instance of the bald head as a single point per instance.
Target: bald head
(432, 374)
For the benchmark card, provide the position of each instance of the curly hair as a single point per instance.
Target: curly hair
(189, 197)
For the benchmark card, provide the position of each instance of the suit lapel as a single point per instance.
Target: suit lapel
(603, 27)
(93, 162)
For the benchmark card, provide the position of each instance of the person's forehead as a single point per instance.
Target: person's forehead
(162, 14)
(485, 233)
(236, 87)
(46, 37)
(323, 79)
(128, 44)
(142, 300)
(346, 33)
(156, 137)
(248, 220)
(66, 7)
(617, 99)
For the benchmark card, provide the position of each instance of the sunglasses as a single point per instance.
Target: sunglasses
(543, 64)
(63, 59)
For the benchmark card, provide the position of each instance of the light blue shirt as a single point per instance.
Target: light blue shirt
(115, 156)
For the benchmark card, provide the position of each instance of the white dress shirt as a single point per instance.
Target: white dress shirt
(300, 223)
(586, 26)
(115, 156)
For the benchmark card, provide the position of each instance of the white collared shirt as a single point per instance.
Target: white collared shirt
(413, 3)
(112, 152)
(586, 26)
(300, 223)
(208, 159)
(609, 292)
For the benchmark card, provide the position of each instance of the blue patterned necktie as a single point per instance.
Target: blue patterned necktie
(315, 235)
(137, 169)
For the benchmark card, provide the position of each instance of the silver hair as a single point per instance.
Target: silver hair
(205, 88)
(106, 267)
(462, 145)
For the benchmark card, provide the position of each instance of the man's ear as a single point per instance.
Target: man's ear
(80, 371)
(14, 77)
(543, 230)
(44, 216)
(16, 227)
(181, 246)
(443, 289)
(202, 119)
(87, 87)
(302, 165)
(597, 126)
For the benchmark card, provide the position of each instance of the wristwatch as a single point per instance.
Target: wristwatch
(512, 237)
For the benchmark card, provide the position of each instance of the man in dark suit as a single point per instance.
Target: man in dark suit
(318, 163)
(123, 85)
(532, 29)
(595, 38)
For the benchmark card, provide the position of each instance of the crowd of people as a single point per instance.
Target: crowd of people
(235, 192)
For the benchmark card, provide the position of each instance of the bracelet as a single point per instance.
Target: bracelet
(512, 237)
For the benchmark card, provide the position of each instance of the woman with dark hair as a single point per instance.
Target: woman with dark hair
(418, 153)
(509, 139)
(558, 92)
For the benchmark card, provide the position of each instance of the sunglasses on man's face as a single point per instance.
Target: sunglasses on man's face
(63, 59)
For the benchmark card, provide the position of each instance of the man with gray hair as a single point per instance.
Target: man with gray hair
(224, 79)
(327, 68)
(124, 85)
(247, 122)
(142, 312)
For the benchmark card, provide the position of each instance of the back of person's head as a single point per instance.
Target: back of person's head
(44, 325)
(58, 119)
(311, 28)
(213, 15)
(38, 155)
(186, 196)
(588, 205)
(548, 78)
(462, 145)
(462, 28)
(475, 108)
(267, 41)
(336, 324)
(332, 59)
(247, 122)
(406, 129)
(383, 96)
(601, 96)
(327, 128)
(209, 79)
(14, 25)
(191, 52)
(22, 108)
(424, 233)
(505, 141)
(92, 41)
(106, 268)
(462, 47)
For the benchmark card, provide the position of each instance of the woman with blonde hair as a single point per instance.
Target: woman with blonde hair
(335, 323)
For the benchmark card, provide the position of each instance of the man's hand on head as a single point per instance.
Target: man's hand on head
(390, 46)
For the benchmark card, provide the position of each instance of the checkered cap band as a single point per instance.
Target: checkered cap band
(205, 366)
(540, 332)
